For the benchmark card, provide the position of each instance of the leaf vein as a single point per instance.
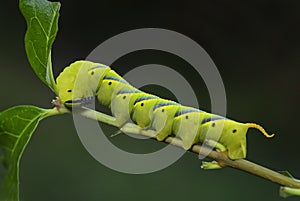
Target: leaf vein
(17, 141)
(11, 134)
(35, 53)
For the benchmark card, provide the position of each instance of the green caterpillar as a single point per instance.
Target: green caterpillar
(149, 111)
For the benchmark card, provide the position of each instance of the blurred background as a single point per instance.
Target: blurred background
(254, 44)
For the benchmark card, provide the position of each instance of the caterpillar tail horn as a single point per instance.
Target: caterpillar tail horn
(260, 128)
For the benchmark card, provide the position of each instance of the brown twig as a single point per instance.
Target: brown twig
(220, 157)
(241, 164)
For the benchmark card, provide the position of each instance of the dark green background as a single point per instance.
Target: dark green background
(255, 45)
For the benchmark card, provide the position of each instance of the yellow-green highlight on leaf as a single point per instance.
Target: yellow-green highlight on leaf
(17, 125)
(42, 26)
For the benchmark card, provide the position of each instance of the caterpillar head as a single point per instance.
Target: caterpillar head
(233, 136)
(78, 82)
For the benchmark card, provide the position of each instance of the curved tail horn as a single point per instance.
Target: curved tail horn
(260, 128)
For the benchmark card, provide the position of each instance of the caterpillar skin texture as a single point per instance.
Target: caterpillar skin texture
(80, 82)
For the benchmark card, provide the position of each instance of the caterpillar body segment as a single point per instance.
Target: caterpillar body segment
(96, 73)
(233, 134)
(163, 118)
(83, 80)
(109, 87)
(187, 125)
(122, 104)
(142, 113)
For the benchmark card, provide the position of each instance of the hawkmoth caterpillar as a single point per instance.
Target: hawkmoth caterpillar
(80, 82)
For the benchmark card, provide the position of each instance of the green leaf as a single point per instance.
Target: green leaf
(16, 127)
(42, 26)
